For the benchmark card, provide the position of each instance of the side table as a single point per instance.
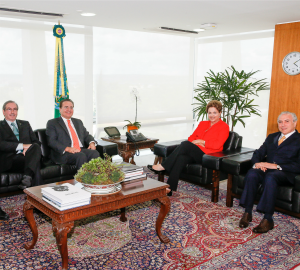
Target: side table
(127, 149)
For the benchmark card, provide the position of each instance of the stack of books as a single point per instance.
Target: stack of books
(133, 174)
(66, 196)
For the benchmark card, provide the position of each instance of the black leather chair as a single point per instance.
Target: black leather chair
(288, 197)
(50, 171)
(208, 174)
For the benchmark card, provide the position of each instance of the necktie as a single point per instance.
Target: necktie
(281, 140)
(74, 136)
(15, 130)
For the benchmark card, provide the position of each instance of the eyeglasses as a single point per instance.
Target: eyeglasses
(12, 110)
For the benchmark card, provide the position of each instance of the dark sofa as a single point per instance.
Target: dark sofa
(50, 171)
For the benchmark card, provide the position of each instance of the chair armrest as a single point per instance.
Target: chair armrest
(237, 165)
(297, 183)
(166, 148)
(107, 147)
(213, 161)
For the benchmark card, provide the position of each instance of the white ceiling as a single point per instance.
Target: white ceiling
(230, 16)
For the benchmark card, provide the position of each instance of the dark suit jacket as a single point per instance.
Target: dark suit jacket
(9, 142)
(286, 155)
(59, 137)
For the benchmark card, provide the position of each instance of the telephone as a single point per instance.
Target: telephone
(135, 136)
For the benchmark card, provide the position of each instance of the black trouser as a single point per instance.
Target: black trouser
(29, 164)
(78, 159)
(184, 154)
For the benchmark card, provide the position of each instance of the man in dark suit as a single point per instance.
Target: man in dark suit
(282, 153)
(20, 149)
(68, 139)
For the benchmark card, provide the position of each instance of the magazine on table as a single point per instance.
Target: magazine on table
(141, 177)
(61, 208)
(66, 193)
(52, 199)
(128, 167)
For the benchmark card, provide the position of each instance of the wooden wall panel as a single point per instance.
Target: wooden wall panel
(285, 89)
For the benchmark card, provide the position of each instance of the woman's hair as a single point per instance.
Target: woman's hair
(214, 103)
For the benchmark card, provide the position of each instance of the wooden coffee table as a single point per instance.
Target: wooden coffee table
(127, 149)
(63, 221)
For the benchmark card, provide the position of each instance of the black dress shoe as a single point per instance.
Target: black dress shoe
(170, 193)
(155, 171)
(264, 226)
(244, 222)
(25, 182)
(3, 215)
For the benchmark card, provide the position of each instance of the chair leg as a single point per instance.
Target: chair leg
(161, 176)
(157, 160)
(229, 198)
(215, 188)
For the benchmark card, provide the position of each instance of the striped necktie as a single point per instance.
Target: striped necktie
(15, 130)
(281, 140)
(74, 136)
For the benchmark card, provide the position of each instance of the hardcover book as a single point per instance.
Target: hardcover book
(66, 193)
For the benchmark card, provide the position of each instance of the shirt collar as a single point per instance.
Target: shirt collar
(9, 122)
(287, 135)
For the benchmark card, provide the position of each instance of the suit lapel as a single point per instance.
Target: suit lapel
(290, 139)
(63, 125)
(276, 138)
(8, 130)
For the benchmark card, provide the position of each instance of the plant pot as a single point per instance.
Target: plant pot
(131, 127)
(102, 189)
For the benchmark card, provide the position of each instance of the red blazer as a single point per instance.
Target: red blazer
(214, 136)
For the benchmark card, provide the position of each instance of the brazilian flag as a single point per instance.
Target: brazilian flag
(61, 90)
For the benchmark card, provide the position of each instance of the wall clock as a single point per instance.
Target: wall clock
(291, 63)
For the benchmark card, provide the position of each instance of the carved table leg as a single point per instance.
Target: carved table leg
(132, 160)
(123, 218)
(61, 231)
(164, 210)
(28, 212)
(126, 155)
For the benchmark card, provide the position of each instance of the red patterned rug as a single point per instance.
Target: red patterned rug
(203, 235)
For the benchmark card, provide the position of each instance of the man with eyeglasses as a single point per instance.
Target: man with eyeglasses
(20, 150)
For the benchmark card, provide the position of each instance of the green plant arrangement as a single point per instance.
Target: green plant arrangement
(136, 97)
(234, 89)
(100, 171)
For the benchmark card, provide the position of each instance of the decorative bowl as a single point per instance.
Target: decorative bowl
(102, 189)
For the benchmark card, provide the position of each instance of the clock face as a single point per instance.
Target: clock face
(291, 63)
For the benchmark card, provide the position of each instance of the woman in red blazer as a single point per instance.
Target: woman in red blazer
(208, 137)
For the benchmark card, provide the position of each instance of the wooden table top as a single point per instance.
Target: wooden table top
(123, 140)
(150, 185)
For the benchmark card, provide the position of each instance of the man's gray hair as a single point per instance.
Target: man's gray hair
(291, 113)
(9, 101)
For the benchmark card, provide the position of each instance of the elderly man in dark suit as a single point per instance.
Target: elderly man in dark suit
(68, 139)
(282, 153)
(20, 149)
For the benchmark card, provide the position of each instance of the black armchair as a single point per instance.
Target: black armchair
(50, 171)
(288, 197)
(208, 174)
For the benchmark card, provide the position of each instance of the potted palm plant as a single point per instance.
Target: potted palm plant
(135, 124)
(234, 89)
